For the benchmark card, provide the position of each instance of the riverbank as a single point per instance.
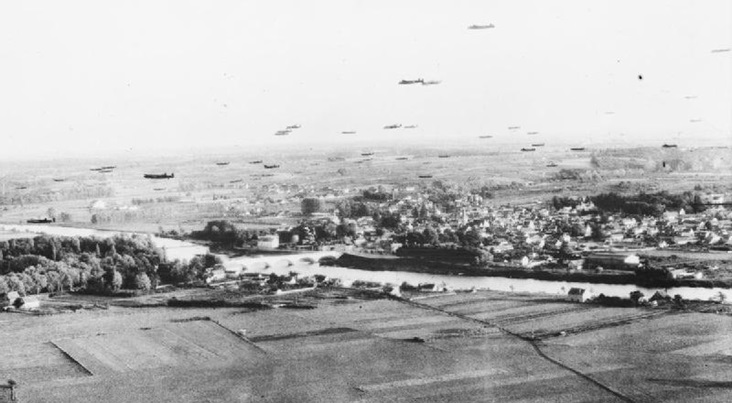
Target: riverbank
(440, 268)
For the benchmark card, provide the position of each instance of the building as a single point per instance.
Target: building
(217, 274)
(577, 295)
(268, 242)
(29, 302)
(682, 274)
(660, 296)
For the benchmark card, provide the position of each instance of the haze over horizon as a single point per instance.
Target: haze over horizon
(87, 78)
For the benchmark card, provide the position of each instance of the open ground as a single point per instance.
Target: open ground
(483, 346)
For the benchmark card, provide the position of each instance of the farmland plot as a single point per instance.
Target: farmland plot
(189, 344)
(28, 362)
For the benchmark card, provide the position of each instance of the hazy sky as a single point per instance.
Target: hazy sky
(91, 77)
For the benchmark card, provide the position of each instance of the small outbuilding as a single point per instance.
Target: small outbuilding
(428, 287)
(577, 295)
(659, 296)
(29, 302)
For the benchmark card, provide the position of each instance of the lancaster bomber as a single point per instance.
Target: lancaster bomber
(293, 127)
(481, 26)
(396, 126)
(222, 163)
(528, 149)
(669, 146)
(532, 133)
(409, 82)
(485, 137)
(159, 176)
(720, 50)
(514, 127)
(40, 221)
(577, 149)
(255, 162)
(273, 166)
(348, 132)
(431, 82)
(367, 154)
(410, 127)
(282, 132)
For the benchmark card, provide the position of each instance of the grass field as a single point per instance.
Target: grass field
(435, 348)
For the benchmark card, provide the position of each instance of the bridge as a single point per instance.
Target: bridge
(235, 266)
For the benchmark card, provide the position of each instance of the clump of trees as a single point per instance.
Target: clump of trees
(226, 233)
(99, 265)
(651, 204)
(349, 208)
(177, 272)
(92, 264)
(559, 202)
(376, 195)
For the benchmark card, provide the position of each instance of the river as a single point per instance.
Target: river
(521, 285)
(175, 249)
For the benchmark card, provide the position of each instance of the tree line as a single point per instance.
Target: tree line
(649, 204)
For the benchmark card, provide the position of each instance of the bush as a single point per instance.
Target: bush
(142, 282)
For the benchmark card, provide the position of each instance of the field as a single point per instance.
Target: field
(437, 347)
(259, 198)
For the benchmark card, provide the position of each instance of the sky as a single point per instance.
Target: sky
(94, 77)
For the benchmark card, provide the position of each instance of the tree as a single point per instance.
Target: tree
(472, 238)
(635, 296)
(678, 301)
(430, 236)
(4, 287)
(415, 238)
(142, 282)
(598, 234)
(310, 205)
(565, 252)
(390, 221)
(113, 279)
(29, 284)
(15, 283)
(116, 281)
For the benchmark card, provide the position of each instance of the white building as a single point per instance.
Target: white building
(268, 242)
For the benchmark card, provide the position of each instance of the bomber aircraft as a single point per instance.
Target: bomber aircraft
(475, 26)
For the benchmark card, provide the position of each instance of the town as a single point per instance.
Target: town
(679, 237)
